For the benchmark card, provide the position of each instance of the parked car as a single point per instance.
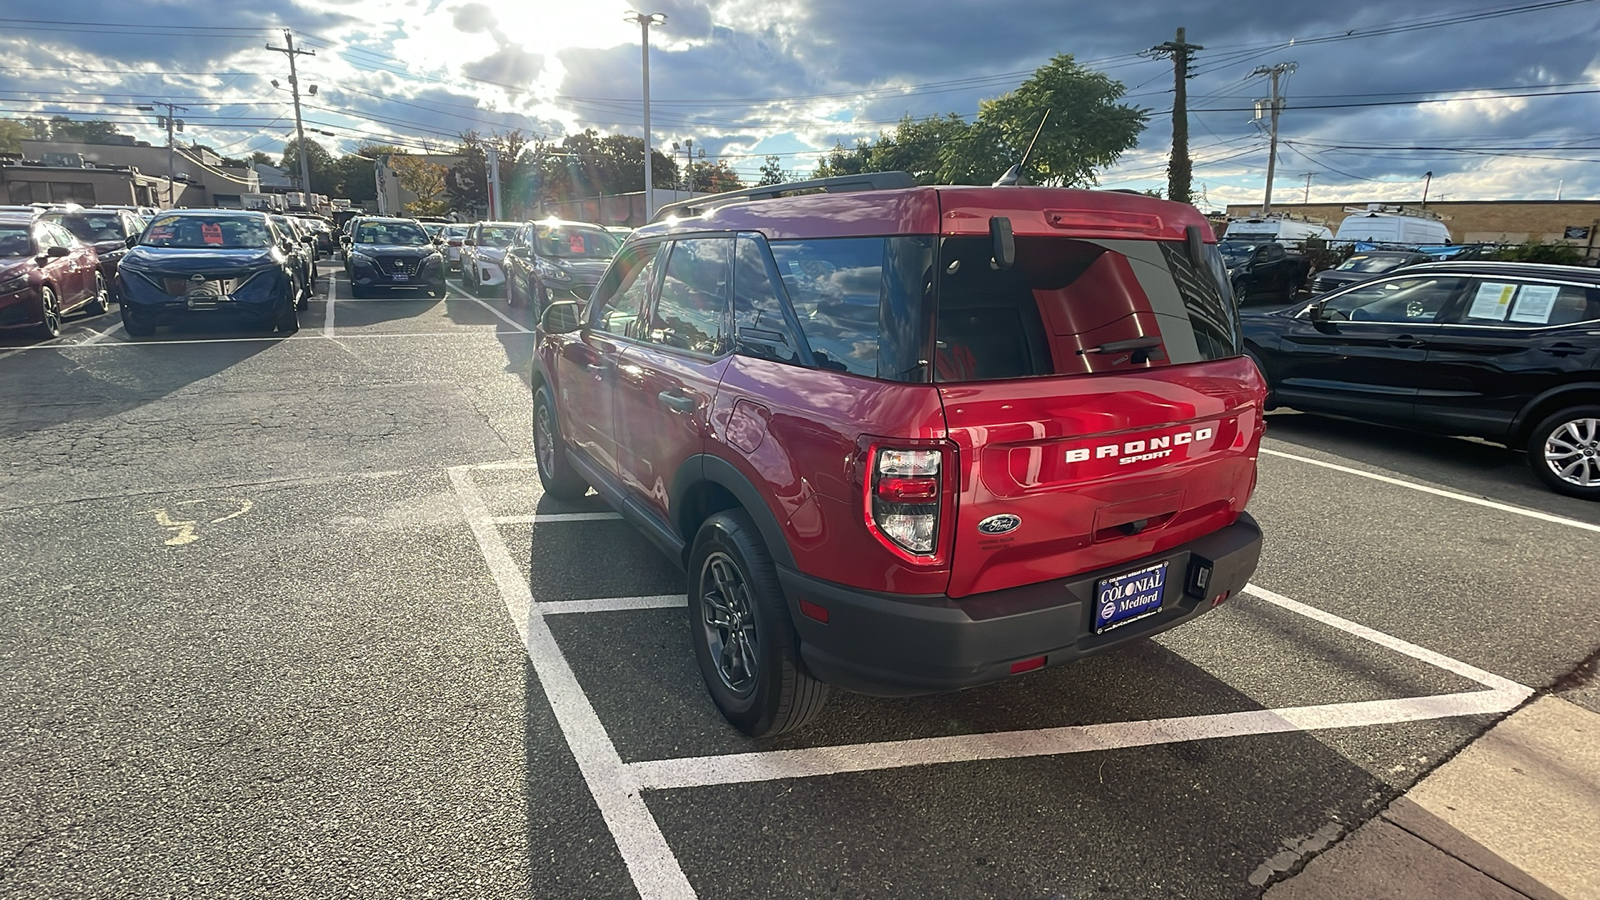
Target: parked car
(1363, 266)
(453, 235)
(1509, 352)
(302, 246)
(321, 232)
(1275, 229)
(204, 264)
(106, 230)
(907, 441)
(483, 254)
(45, 273)
(389, 253)
(555, 260)
(1264, 272)
(1380, 225)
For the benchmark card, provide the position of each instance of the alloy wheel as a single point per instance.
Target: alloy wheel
(729, 622)
(1572, 451)
(544, 439)
(50, 308)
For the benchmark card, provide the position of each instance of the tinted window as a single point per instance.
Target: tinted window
(394, 233)
(622, 293)
(692, 311)
(495, 235)
(835, 287)
(215, 232)
(1066, 305)
(94, 227)
(762, 327)
(1395, 300)
(15, 241)
(1372, 264)
(1527, 305)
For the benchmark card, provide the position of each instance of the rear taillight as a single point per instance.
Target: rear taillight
(907, 495)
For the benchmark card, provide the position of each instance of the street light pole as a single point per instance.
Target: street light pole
(1427, 181)
(170, 123)
(645, 20)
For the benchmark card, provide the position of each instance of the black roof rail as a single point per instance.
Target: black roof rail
(839, 184)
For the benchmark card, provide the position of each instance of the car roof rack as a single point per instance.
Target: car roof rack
(839, 184)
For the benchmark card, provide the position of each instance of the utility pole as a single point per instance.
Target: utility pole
(1178, 168)
(1307, 176)
(492, 162)
(1275, 72)
(645, 20)
(299, 126)
(171, 124)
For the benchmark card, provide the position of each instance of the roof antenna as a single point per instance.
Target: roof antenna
(1013, 175)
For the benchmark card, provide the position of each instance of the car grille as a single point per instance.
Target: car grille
(403, 266)
(183, 287)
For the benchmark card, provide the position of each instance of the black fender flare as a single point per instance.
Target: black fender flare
(704, 467)
(1524, 418)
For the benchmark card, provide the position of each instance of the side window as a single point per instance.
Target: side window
(621, 295)
(692, 312)
(836, 287)
(1524, 305)
(1274, 252)
(761, 328)
(1419, 300)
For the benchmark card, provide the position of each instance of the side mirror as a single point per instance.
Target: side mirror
(560, 317)
(57, 252)
(469, 242)
(1005, 244)
(132, 240)
(1318, 312)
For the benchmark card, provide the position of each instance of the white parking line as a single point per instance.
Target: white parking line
(656, 871)
(1438, 492)
(738, 768)
(504, 318)
(542, 518)
(102, 335)
(613, 604)
(650, 861)
(327, 323)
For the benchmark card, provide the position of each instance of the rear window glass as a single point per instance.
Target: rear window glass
(844, 290)
(1077, 306)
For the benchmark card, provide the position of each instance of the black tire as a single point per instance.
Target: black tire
(286, 321)
(49, 313)
(1265, 376)
(134, 324)
(556, 473)
(1568, 442)
(1241, 293)
(100, 303)
(743, 638)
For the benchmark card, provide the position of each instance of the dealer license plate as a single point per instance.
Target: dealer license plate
(1121, 599)
(401, 276)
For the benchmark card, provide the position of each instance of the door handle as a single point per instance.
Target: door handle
(676, 402)
(1407, 342)
(1562, 348)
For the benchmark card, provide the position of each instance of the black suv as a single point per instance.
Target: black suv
(1504, 351)
(386, 253)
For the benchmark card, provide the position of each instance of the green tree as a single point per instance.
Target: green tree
(1539, 252)
(12, 134)
(713, 177)
(318, 160)
(587, 164)
(772, 172)
(843, 161)
(916, 146)
(261, 157)
(424, 179)
(1087, 129)
(89, 131)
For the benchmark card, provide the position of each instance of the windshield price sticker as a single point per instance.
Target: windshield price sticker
(1492, 301)
(211, 232)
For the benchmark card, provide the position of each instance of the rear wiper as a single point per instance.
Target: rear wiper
(1149, 342)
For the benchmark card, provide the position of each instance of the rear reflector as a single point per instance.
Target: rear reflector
(1218, 599)
(814, 611)
(1027, 665)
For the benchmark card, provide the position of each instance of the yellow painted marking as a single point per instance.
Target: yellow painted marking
(183, 530)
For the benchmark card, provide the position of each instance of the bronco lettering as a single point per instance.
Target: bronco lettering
(1134, 451)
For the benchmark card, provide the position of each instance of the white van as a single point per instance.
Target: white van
(1262, 229)
(1378, 227)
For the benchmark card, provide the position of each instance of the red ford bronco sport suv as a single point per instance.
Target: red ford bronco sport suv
(913, 440)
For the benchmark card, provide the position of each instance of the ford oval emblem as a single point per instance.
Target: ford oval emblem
(1005, 523)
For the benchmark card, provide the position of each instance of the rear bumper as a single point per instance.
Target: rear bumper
(897, 645)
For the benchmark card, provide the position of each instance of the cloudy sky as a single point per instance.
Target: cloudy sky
(1496, 99)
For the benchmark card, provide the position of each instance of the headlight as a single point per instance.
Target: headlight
(553, 271)
(358, 256)
(13, 285)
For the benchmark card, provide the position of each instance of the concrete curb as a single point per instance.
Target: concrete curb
(1515, 815)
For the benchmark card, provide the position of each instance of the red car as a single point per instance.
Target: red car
(45, 273)
(106, 230)
(913, 440)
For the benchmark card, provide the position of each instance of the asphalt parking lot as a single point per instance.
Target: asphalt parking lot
(289, 617)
